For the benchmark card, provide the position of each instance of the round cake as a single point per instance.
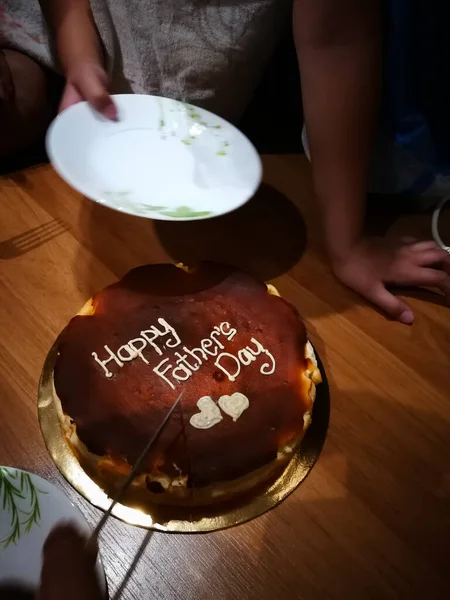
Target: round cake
(237, 351)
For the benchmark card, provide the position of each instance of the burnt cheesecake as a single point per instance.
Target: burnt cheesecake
(237, 351)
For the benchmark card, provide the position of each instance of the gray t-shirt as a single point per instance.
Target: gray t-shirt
(207, 52)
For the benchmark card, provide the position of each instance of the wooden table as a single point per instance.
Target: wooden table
(372, 521)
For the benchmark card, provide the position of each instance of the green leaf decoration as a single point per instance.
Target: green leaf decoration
(181, 212)
(15, 486)
(221, 153)
(186, 142)
(184, 212)
(151, 208)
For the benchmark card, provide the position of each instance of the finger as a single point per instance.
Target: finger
(424, 246)
(68, 567)
(62, 536)
(432, 257)
(91, 549)
(423, 277)
(66, 542)
(434, 278)
(70, 97)
(93, 88)
(391, 305)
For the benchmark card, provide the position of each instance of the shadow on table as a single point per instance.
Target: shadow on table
(31, 239)
(121, 590)
(265, 237)
(114, 240)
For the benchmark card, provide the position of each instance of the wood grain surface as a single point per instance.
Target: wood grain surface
(372, 521)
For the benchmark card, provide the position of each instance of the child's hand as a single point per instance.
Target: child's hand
(89, 81)
(68, 570)
(375, 263)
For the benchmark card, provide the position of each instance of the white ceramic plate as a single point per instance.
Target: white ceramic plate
(29, 508)
(163, 159)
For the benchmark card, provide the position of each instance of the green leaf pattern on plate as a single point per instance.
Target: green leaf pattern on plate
(125, 197)
(184, 212)
(180, 212)
(198, 120)
(16, 489)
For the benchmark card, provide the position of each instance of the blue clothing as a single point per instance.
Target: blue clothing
(412, 154)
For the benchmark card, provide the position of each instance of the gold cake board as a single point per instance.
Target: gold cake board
(174, 519)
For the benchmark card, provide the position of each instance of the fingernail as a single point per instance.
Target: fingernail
(407, 317)
(110, 112)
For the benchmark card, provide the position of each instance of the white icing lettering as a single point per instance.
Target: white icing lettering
(154, 333)
(181, 373)
(228, 331)
(150, 335)
(182, 365)
(162, 373)
(130, 353)
(213, 336)
(171, 343)
(194, 352)
(227, 355)
(205, 344)
(183, 360)
(266, 368)
(137, 345)
(103, 363)
(246, 356)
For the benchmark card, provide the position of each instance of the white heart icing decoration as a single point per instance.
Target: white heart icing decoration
(208, 416)
(234, 405)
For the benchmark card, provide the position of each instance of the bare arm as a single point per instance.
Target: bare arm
(338, 46)
(339, 51)
(80, 53)
(74, 31)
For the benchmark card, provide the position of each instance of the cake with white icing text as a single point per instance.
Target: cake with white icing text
(238, 352)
